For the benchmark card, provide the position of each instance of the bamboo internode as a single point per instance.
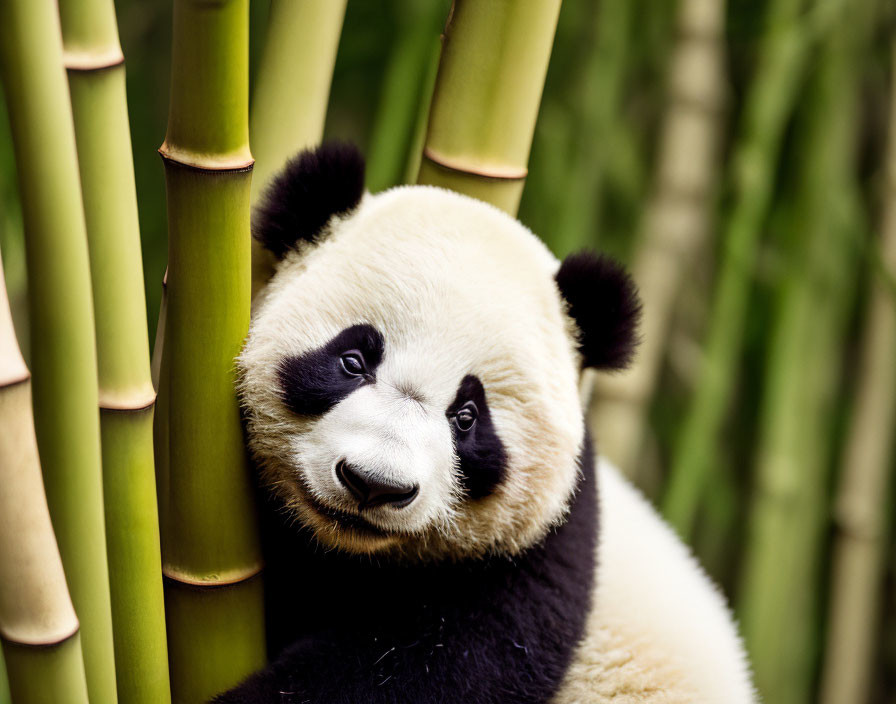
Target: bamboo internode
(66, 414)
(97, 84)
(289, 103)
(481, 121)
(399, 125)
(211, 554)
(39, 631)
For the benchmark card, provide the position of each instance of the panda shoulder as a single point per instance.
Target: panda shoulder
(653, 600)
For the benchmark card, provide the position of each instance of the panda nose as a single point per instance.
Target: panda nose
(373, 491)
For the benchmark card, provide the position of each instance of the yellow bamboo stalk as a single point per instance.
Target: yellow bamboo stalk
(676, 223)
(867, 465)
(97, 82)
(39, 631)
(63, 348)
(488, 89)
(289, 103)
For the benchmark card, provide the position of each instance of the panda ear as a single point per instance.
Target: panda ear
(314, 186)
(604, 303)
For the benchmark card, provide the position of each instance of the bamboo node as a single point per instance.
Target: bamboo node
(127, 403)
(85, 61)
(5, 383)
(206, 162)
(48, 641)
(224, 578)
(492, 172)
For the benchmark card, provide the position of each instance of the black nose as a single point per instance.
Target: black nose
(374, 491)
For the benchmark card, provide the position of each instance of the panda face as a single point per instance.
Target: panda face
(382, 455)
(410, 381)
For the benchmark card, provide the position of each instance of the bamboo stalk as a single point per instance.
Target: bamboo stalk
(867, 465)
(4, 683)
(97, 84)
(781, 59)
(289, 103)
(491, 75)
(159, 371)
(676, 223)
(418, 135)
(39, 631)
(600, 96)
(62, 326)
(211, 554)
(778, 605)
(404, 93)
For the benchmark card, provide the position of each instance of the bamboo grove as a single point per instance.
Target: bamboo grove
(739, 155)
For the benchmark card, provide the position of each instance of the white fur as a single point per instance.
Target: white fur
(660, 632)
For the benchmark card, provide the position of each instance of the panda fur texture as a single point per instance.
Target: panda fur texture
(435, 527)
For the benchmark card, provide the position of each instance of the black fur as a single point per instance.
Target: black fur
(479, 632)
(316, 381)
(314, 186)
(603, 300)
(482, 456)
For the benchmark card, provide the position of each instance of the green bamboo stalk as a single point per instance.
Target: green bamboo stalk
(62, 328)
(39, 631)
(769, 103)
(778, 597)
(491, 75)
(859, 548)
(159, 372)
(418, 135)
(97, 84)
(404, 92)
(291, 91)
(599, 96)
(867, 466)
(676, 222)
(4, 683)
(211, 554)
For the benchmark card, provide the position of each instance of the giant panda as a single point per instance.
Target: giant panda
(437, 528)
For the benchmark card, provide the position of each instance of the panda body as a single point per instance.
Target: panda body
(435, 527)
(658, 630)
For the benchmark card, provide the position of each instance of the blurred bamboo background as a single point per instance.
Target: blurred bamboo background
(740, 155)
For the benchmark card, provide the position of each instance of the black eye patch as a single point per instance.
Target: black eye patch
(482, 456)
(314, 382)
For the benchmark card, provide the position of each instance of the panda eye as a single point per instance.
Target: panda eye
(353, 363)
(465, 418)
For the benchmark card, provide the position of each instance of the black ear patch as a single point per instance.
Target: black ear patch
(314, 186)
(603, 300)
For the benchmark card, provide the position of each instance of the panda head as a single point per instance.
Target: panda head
(410, 378)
